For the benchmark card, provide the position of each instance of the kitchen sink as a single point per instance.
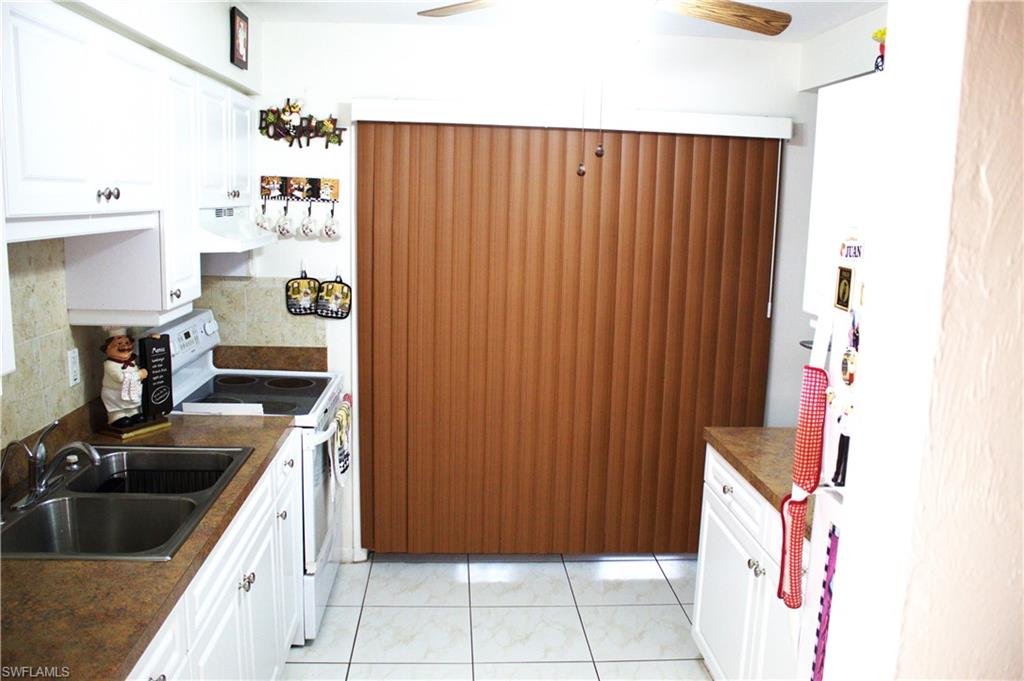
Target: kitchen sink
(153, 472)
(139, 503)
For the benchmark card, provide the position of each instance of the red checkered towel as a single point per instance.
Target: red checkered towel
(810, 431)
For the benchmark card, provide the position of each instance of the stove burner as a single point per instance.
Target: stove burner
(235, 380)
(271, 407)
(289, 383)
(220, 399)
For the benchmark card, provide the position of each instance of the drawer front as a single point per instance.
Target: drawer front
(222, 570)
(167, 654)
(742, 500)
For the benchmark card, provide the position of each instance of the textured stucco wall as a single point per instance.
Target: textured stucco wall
(964, 612)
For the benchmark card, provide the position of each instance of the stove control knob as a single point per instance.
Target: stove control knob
(210, 327)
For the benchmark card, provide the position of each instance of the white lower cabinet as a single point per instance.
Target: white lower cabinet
(235, 620)
(740, 625)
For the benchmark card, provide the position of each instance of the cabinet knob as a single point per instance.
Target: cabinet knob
(116, 193)
(237, 193)
(162, 677)
(758, 571)
(283, 515)
(103, 194)
(176, 293)
(726, 489)
(751, 563)
(245, 584)
(251, 577)
(290, 463)
(230, 193)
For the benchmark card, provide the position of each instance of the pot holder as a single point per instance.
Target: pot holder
(300, 294)
(806, 475)
(335, 300)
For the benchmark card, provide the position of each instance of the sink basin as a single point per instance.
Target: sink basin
(97, 525)
(139, 503)
(153, 472)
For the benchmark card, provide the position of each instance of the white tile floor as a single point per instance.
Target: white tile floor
(488, 618)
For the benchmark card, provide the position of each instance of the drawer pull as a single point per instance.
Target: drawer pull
(290, 463)
(726, 489)
(116, 193)
(103, 194)
(751, 563)
(283, 515)
(247, 582)
(758, 571)
(162, 677)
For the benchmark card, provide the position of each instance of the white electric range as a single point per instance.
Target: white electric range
(312, 399)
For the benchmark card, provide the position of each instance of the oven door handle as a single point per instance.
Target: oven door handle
(318, 438)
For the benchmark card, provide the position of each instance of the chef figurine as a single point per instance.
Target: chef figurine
(122, 381)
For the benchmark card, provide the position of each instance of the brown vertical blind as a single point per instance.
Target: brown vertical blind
(539, 352)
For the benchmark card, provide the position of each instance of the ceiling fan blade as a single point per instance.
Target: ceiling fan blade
(735, 14)
(457, 8)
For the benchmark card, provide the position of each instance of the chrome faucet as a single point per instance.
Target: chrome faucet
(40, 474)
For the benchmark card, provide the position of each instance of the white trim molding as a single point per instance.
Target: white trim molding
(638, 120)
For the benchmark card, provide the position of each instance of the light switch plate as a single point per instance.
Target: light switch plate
(74, 375)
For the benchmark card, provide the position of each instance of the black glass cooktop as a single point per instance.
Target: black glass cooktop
(278, 394)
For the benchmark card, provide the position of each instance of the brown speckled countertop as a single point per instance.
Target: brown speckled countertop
(763, 456)
(97, 617)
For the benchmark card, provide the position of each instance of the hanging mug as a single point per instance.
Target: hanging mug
(331, 230)
(308, 228)
(263, 220)
(284, 224)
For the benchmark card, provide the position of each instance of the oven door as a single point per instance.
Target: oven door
(318, 493)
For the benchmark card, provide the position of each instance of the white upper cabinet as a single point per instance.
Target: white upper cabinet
(243, 121)
(130, 83)
(214, 123)
(180, 218)
(50, 111)
(226, 123)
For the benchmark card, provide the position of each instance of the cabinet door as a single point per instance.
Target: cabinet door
(180, 253)
(242, 122)
(50, 111)
(260, 604)
(289, 557)
(777, 630)
(129, 95)
(219, 648)
(214, 145)
(725, 603)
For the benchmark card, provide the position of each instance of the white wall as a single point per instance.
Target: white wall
(551, 74)
(842, 52)
(964, 616)
(196, 33)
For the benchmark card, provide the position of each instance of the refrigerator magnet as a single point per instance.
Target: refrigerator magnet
(844, 288)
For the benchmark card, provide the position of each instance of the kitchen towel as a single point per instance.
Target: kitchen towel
(806, 475)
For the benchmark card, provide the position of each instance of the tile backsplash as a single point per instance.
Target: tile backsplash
(37, 391)
(251, 311)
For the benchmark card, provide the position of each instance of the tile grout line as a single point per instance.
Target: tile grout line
(359, 620)
(586, 638)
(469, 592)
(678, 599)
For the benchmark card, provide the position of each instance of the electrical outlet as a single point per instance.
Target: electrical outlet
(74, 375)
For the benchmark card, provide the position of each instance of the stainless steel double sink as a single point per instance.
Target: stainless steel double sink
(140, 503)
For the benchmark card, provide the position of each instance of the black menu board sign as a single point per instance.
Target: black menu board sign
(155, 357)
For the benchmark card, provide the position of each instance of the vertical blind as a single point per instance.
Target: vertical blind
(539, 352)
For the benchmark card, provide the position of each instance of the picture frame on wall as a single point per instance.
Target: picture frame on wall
(239, 39)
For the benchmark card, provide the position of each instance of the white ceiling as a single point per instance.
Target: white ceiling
(809, 18)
